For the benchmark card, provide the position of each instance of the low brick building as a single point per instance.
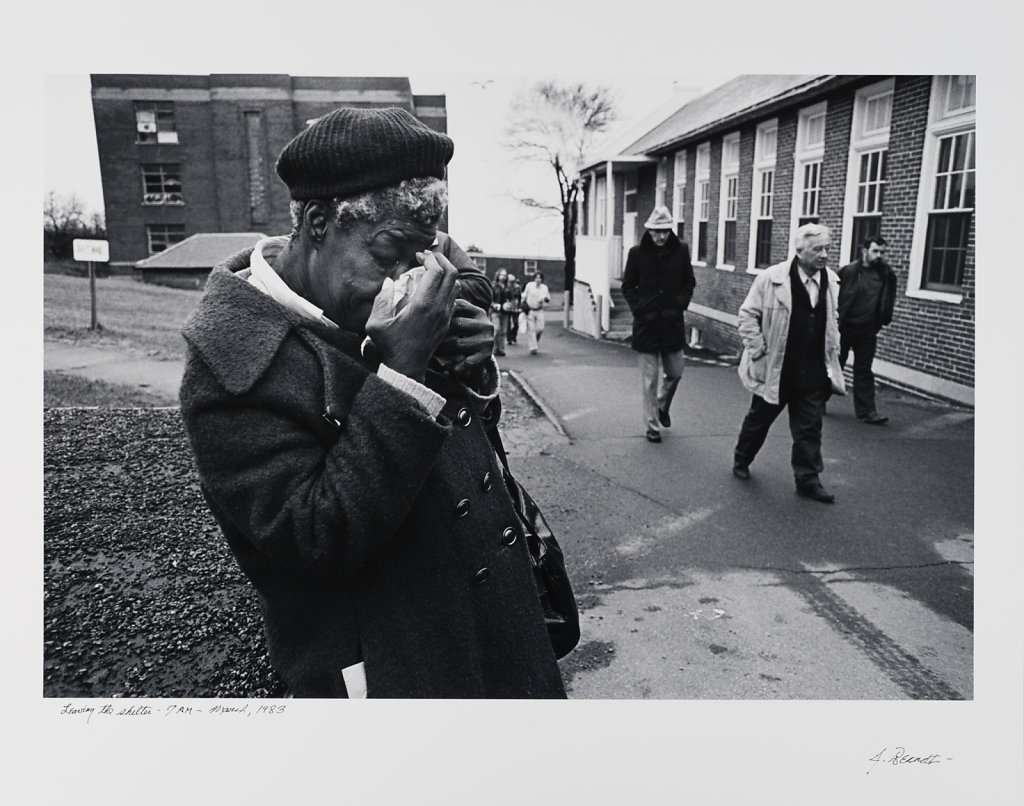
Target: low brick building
(747, 163)
(187, 154)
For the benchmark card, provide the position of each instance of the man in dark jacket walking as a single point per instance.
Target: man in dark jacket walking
(867, 295)
(337, 395)
(657, 283)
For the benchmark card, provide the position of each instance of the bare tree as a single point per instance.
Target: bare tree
(64, 219)
(556, 125)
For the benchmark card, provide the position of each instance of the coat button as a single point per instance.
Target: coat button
(481, 576)
(488, 482)
(462, 508)
(464, 417)
(508, 537)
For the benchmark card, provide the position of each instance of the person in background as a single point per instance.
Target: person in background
(790, 331)
(535, 297)
(499, 295)
(512, 306)
(867, 296)
(336, 396)
(658, 283)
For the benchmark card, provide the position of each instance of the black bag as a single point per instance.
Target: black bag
(557, 601)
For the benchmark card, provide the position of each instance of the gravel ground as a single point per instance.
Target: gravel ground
(141, 597)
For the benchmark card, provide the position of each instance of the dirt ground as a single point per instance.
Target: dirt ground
(141, 595)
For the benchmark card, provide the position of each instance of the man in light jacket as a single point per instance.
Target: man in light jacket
(789, 326)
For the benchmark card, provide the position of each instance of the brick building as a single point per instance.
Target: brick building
(187, 154)
(744, 165)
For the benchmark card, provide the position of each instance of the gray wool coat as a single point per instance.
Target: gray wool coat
(370, 530)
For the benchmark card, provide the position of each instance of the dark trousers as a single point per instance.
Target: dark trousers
(806, 410)
(863, 344)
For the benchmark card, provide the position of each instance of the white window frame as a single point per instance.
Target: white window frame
(862, 141)
(529, 266)
(679, 188)
(702, 176)
(807, 154)
(661, 183)
(940, 124)
(729, 170)
(765, 151)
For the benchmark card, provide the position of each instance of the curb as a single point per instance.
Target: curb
(538, 401)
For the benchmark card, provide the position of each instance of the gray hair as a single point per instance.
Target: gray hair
(423, 199)
(806, 232)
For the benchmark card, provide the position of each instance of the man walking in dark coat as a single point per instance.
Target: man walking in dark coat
(337, 395)
(867, 296)
(657, 283)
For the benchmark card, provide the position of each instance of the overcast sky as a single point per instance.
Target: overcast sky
(482, 178)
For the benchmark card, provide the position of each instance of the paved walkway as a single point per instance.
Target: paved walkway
(114, 366)
(699, 585)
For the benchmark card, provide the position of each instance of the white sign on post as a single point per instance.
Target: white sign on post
(91, 251)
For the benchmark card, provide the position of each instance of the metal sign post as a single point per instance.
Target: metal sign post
(91, 252)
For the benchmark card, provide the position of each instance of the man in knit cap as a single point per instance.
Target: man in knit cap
(336, 395)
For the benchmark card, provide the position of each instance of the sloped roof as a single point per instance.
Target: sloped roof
(202, 251)
(744, 93)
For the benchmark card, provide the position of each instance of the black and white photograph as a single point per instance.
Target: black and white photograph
(622, 405)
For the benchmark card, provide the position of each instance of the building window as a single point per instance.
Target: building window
(762, 207)
(256, 162)
(763, 246)
(942, 247)
(661, 183)
(679, 193)
(629, 194)
(160, 236)
(866, 172)
(960, 94)
(949, 221)
(807, 168)
(810, 193)
(702, 224)
(702, 207)
(729, 236)
(154, 122)
(161, 184)
(870, 186)
(480, 263)
(530, 266)
(729, 193)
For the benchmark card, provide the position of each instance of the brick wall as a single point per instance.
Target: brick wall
(931, 336)
(212, 149)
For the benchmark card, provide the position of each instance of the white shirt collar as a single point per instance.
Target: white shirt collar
(263, 277)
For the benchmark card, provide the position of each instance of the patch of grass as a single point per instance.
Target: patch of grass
(64, 390)
(133, 316)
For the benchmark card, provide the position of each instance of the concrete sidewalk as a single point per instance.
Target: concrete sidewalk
(696, 584)
(114, 366)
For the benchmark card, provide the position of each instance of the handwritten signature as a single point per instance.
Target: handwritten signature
(900, 756)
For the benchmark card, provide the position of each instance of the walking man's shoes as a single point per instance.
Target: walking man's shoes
(653, 436)
(874, 418)
(664, 419)
(816, 491)
(740, 470)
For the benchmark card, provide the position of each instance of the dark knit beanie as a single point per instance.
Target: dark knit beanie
(349, 151)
